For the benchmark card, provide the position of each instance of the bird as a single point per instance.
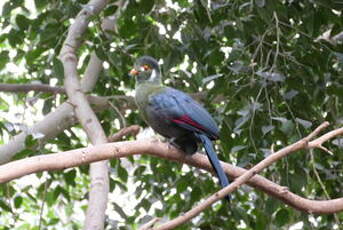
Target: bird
(174, 114)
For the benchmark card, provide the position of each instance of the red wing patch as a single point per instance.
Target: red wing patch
(184, 119)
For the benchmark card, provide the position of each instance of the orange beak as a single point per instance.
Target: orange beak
(134, 72)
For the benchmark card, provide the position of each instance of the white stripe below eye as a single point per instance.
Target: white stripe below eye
(153, 75)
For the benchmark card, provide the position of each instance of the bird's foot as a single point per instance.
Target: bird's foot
(157, 138)
(172, 144)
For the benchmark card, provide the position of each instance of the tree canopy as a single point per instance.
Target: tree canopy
(269, 72)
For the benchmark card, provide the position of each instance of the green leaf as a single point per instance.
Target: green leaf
(338, 142)
(287, 127)
(122, 173)
(271, 205)
(50, 200)
(119, 211)
(304, 123)
(182, 185)
(30, 141)
(139, 170)
(4, 59)
(32, 55)
(40, 4)
(282, 217)
(339, 56)
(4, 106)
(110, 10)
(58, 69)
(22, 22)
(272, 76)
(290, 94)
(15, 37)
(260, 3)
(9, 6)
(267, 129)
(70, 177)
(25, 226)
(5, 206)
(18, 200)
(60, 191)
(281, 119)
(211, 77)
(48, 104)
(145, 203)
(100, 52)
(24, 153)
(238, 148)
(146, 5)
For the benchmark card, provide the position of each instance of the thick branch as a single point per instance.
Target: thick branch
(24, 88)
(302, 144)
(53, 123)
(61, 118)
(73, 158)
(95, 216)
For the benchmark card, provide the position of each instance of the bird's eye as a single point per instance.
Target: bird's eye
(146, 67)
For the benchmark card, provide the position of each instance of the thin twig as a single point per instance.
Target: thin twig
(277, 41)
(42, 205)
(150, 224)
(131, 130)
(120, 115)
(319, 141)
(321, 182)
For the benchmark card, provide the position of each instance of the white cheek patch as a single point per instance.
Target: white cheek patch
(153, 75)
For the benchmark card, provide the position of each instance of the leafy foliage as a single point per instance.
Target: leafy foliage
(270, 76)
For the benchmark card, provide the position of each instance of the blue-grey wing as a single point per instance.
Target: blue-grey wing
(179, 108)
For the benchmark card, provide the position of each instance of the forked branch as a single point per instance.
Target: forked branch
(301, 144)
(73, 158)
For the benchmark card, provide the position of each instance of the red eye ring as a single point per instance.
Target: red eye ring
(146, 67)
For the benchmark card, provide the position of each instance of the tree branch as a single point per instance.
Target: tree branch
(317, 143)
(63, 116)
(301, 144)
(53, 123)
(91, 75)
(98, 195)
(24, 88)
(131, 130)
(73, 158)
(150, 224)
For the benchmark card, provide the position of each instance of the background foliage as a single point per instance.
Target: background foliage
(270, 69)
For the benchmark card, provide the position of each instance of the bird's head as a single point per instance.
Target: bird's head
(146, 70)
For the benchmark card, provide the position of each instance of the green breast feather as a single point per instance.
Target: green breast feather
(143, 92)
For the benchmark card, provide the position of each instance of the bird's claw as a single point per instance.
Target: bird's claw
(171, 143)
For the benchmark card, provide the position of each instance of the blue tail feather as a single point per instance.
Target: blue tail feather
(211, 154)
